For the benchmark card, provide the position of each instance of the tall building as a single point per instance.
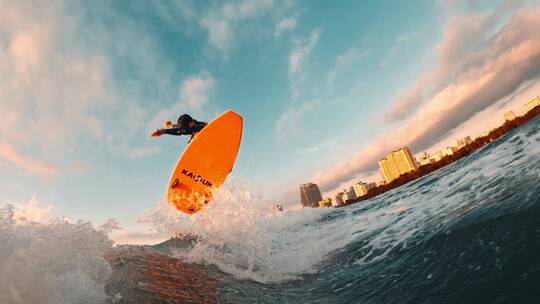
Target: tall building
(349, 194)
(397, 163)
(310, 195)
(338, 200)
(362, 188)
(531, 104)
(389, 168)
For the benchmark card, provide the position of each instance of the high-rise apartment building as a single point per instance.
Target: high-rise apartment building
(531, 104)
(397, 163)
(349, 194)
(338, 200)
(389, 168)
(310, 195)
(362, 188)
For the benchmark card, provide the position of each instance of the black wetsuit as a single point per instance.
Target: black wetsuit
(199, 125)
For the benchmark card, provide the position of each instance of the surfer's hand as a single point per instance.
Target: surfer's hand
(157, 133)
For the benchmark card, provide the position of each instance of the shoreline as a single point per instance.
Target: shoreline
(461, 153)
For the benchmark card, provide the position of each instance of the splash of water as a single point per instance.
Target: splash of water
(48, 260)
(241, 234)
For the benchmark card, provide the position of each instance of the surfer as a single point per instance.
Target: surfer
(185, 126)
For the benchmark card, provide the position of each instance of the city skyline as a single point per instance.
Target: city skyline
(449, 145)
(402, 161)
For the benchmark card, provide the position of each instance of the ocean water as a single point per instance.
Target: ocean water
(468, 233)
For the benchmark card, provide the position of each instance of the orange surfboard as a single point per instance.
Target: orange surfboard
(205, 163)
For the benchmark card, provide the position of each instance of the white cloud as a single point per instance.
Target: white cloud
(193, 94)
(48, 90)
(194, 90)
(463, 37)
(222, 22)
(343, 60)
(398, 43)
(28, 163)
(288, 121)
(325, 145)
(284, 25)
(497, 68)
(71, 86)
(301, 51)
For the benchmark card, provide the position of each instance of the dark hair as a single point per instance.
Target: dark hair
(184, 119)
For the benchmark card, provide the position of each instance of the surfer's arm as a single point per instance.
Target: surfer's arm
(170, 131)
(180, 131)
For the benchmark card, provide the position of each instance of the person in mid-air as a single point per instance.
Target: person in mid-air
(185, 126)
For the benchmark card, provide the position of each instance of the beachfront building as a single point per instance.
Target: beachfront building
(310, 195)
(436, 157)
(397, 163)
(338, 200)
(484, 134)
(361, 188)
(388, 168)
(460, 143)
(448, 151)
(425, 159)
(509, 116)
(531, 104)
(349, 194)
(327, 202)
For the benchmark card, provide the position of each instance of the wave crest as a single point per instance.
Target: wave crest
(47, 260)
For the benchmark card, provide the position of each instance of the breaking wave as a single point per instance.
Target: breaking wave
(48, 260)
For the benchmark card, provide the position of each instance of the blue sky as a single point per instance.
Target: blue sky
(325, 89)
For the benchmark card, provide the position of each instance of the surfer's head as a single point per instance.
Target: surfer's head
(185, 121)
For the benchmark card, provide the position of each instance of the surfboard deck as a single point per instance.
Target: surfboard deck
(205, 163)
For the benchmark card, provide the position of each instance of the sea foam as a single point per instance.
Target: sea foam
(48, 260)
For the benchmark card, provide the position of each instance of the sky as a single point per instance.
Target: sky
(325, 89)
